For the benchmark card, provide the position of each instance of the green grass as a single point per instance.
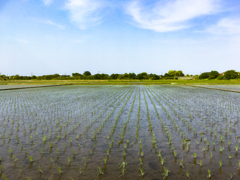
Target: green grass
(117, 82)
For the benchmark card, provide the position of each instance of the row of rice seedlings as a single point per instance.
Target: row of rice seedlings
(166, 171)
(112, 131)
(138, 115)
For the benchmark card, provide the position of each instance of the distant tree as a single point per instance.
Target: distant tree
(114, 76)
(213, 75)
(125, 76)
(142, 76)
(179, 73)
(132, 75)
(87, 73)
(231, 74)
(166, 75)
(172, 73)
(155, 77)
(120, 76)
(204, 76)
(56, 76)
(75, 74)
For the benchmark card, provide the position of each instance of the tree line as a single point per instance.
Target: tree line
(87, 75)
(230, 74)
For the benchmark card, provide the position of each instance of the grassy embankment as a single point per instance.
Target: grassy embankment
(117, 82)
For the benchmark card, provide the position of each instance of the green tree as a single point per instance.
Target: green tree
(155, 77)
(179, 73)
(132, 75)
(87, 73)
(231, 74)
(213, 75)
(114, 76)
(204, 76)
(172, 73)
(142, 76)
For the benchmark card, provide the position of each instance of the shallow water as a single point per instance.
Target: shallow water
(94, 116)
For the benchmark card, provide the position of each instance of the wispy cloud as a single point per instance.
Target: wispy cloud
(47, 2)
(52, 23)
(226, 26)
(85, 13)
(171, 16)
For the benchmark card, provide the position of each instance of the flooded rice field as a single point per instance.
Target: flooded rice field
(223, 87)
(119, 132)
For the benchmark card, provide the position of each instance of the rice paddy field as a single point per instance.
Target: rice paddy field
(119, 132)
(223, 87)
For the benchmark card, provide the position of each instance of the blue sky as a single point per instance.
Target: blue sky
(112, 36)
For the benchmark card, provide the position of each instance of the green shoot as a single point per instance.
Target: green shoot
(141, 171)
(220, 164)
(200, 163)
(39, 167)
(59, 170)
(181, 163)
(209, 173)
(165, 174)
(30, 158)
(100, 171)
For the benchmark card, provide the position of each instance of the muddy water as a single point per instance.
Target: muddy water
(94, 116)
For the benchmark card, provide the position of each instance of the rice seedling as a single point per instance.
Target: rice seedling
(105, 161)
(100, 171)
(20, 167)
(187, 174)
(209, 174)
(221, 149)
(39, 167)
(141, 171)
(175, 154)
(200, 163)
(59, 170)
(181, 163)
(123, 164)
(80, 171)
(15, 158)
(44, 138)
(30, 158)
(166, 172)
(220, 164)
(231, 175)
(162, 161)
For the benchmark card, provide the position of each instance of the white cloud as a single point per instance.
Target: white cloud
(171, 16)
(47, 2)
(226, 26)
(53, 24)
(84, 13)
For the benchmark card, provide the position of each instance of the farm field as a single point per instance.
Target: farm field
(119, 132)
(223, 87)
